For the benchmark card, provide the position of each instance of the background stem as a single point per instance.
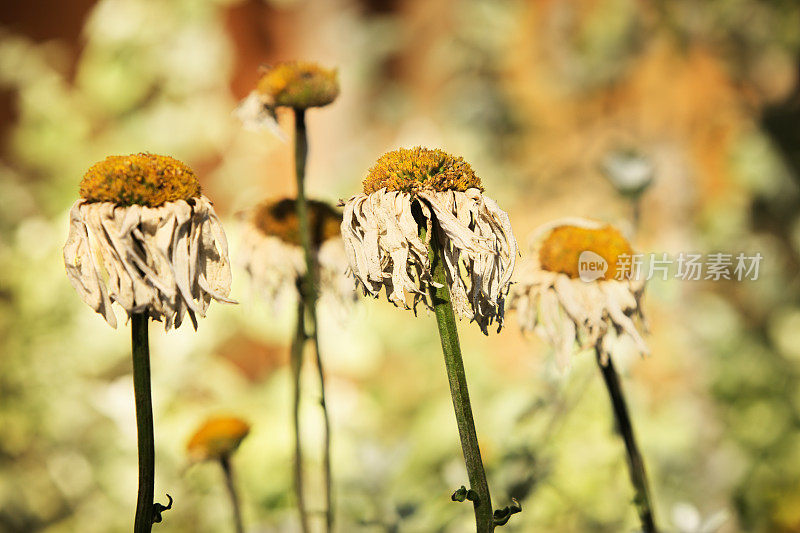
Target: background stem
(326, 457)
(309, 294)
(140, 350)
(635, 461)
(446, 320)
(227, 469)
(297, 363)
(636, 213)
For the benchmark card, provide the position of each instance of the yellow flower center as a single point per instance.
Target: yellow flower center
(279, 219)
(144, 179)
(413, 169)
(217, 437)
(299, 85)
(561, 250)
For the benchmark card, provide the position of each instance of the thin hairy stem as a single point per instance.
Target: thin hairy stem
(140, 350)
(446, 320)
(635, 461)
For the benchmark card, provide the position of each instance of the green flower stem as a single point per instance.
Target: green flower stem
(635, 461)
(144, 422)
(309, 295)
(227, 469)
(445, 318)
(326, 457)
(297, 363)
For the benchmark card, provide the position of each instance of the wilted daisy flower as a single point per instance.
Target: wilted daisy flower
(412, 189)
(142, 235)
(294, 84)
(575, 288)
(217, 437)
(273, 255)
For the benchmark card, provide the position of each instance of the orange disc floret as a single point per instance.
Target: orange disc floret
(413, 169)
(217, 437)
(143, 179)
(561, 250)
(299, 85)
(278, 218)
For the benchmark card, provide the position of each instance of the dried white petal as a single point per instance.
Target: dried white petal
(558, 307)
(257, 115)
(381, 237)
(164, 260)
(82, 270)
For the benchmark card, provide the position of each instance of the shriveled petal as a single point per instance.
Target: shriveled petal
(148, 256)
(622, 320)
(82, 270)
(256, 115)
(595, 310)
(381, 236)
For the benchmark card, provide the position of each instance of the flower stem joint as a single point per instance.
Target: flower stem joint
(159, 508)
(464, 494)
(500, 517)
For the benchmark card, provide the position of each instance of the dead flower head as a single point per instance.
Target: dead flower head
(142, 235)
(216, 438)
(294, 84)
(412, 189)
(553, 298)
(273, 256)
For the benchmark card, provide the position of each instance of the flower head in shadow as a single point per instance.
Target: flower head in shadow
(272, 253)
(409, 196)
(142, 235)
(575, 289)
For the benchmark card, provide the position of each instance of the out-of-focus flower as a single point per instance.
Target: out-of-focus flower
(630, 172)
(216, 438)
(412, 189)
(273, 255)
(687, 519)
(576, 289)
(142, 235)
(294, 84)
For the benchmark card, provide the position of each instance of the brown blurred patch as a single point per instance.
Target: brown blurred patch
(8, 115)
(46, 19)
(255, 359)
(260, 34)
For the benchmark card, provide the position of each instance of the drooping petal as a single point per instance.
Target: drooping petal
(594, 310)
(147, 254)
(384, 248)
(81, 268)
